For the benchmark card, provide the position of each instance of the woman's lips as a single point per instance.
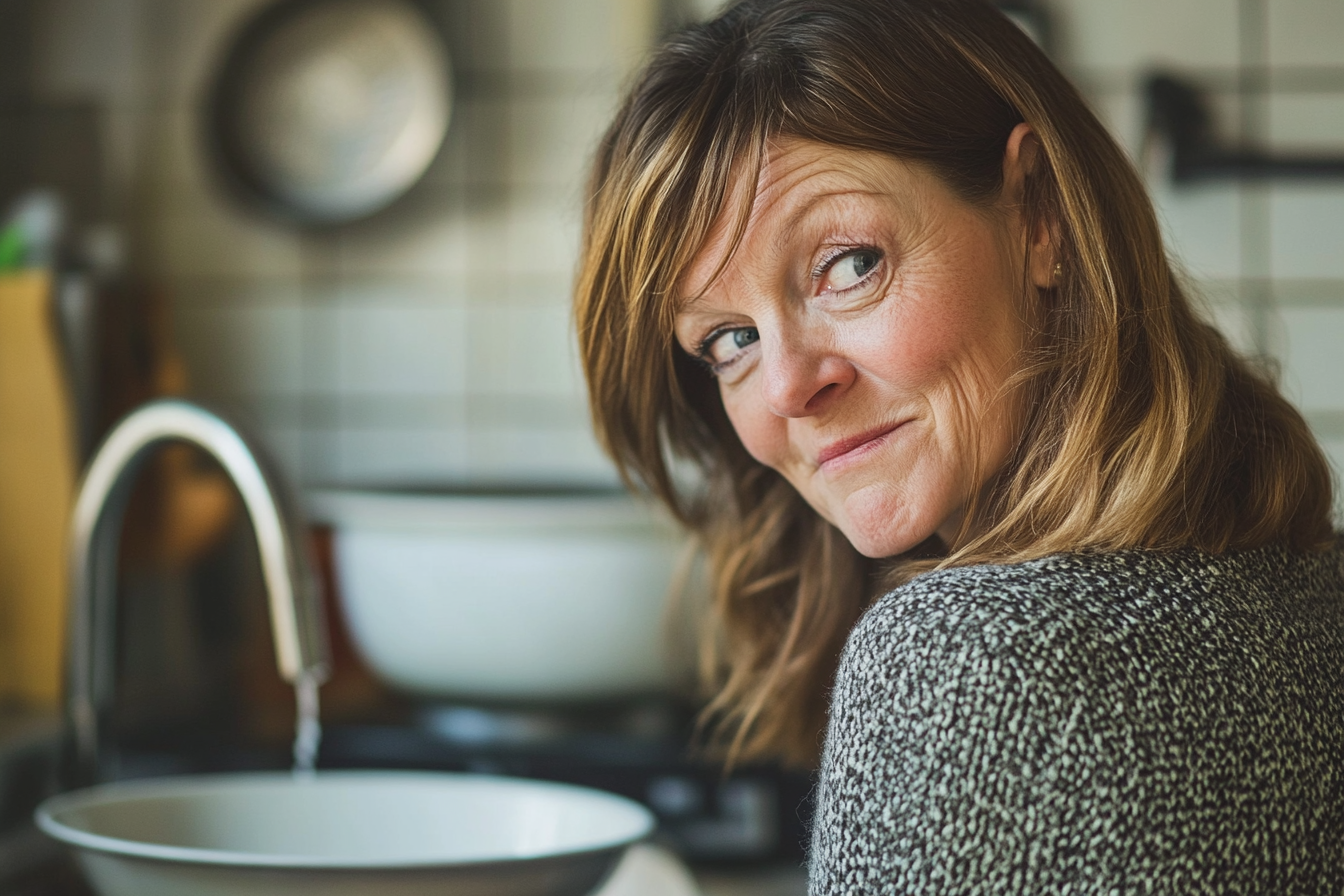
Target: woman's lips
(838, 452)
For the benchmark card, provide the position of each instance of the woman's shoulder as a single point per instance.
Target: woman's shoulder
(1083, 598)
(987, 714)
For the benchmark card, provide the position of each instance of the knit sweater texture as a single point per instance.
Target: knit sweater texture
(1131, 722)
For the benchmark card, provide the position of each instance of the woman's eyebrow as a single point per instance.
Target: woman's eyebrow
(683, 305)
(691, 305)
(805, 209)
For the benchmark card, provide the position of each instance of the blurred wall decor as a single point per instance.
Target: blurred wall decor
(427, 343)
(326, 111)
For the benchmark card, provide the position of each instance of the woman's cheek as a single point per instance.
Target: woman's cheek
(763, 434)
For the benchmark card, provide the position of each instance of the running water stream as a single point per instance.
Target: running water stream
(308, 729)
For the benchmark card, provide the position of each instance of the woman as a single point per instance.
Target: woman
(874, 274)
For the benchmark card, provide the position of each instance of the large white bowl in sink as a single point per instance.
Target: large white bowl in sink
(557, 595)
(344, 833)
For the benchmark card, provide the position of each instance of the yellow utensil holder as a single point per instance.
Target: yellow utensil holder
(37, 483)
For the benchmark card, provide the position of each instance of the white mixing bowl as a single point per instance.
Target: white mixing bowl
(507, 596)
(344, 834)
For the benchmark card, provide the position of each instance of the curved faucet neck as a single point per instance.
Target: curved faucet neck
(297, 625)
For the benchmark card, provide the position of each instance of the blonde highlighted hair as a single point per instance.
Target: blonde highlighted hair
(1143, 428)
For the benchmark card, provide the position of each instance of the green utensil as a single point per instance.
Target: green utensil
(12, 249)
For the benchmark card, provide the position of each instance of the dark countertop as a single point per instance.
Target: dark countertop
(30, 863)
(774, 880)
(49, 871)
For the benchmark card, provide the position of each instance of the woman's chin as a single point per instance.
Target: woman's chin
(881, 524)
(877, 542)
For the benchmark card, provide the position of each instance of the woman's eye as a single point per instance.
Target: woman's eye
(724, 346)
(849, 270)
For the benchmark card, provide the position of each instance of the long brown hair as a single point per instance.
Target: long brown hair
(1144, 429)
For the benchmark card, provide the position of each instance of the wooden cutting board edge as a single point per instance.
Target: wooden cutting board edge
(37, 486)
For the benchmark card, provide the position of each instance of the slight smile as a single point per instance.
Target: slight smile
(840, 453)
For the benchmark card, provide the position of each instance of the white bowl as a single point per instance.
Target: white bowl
(525, 597)
(344, 833)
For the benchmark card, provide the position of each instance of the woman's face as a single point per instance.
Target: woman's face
(862, 335)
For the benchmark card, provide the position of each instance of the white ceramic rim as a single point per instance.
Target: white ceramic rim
(104, 793)
(612, 512)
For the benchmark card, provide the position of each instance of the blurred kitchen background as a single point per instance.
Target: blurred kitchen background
(432, 341)
(429, 343)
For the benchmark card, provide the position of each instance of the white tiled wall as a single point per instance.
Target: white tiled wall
(1117, 39)
(1268, 258)
(433, 341)
(1305, 32)
(1306, 226)
(429, 343)
(1312, 347)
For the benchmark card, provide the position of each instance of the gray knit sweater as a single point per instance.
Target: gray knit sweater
(1115, 723)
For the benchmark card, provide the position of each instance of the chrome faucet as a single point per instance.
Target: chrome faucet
(297, 625)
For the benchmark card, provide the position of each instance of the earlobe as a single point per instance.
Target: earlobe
(1046, 269)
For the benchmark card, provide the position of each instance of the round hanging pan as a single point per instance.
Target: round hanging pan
(326, 111)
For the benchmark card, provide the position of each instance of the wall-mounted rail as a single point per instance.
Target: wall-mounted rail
(1178, 113)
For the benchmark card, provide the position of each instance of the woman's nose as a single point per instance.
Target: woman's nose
(802, 377)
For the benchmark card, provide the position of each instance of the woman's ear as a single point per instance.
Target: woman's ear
(1020, 158)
